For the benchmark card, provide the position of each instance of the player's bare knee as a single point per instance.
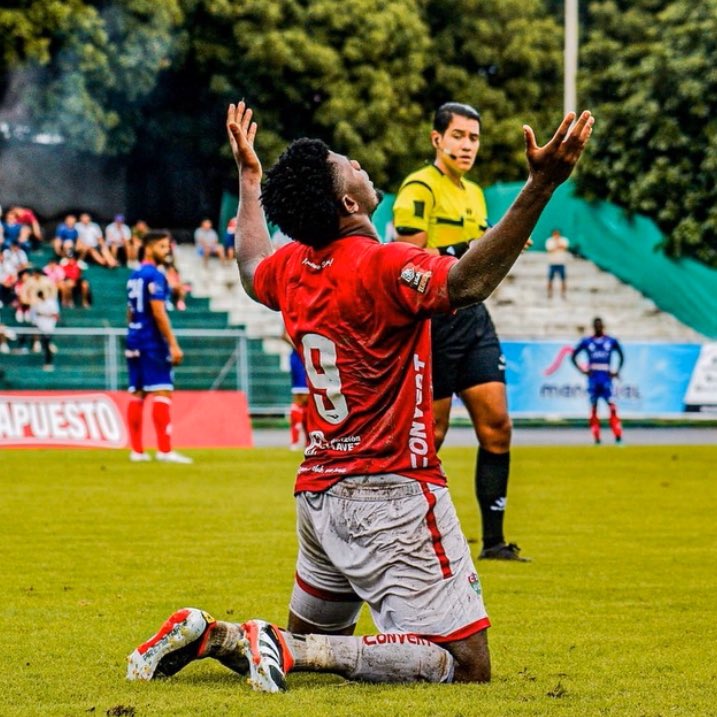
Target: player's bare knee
(495, 435)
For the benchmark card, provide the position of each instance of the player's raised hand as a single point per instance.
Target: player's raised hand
(554, 161)
(242, 131)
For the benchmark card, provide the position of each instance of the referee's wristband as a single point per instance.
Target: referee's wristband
(457, 250)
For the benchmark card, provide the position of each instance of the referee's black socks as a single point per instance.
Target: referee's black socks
(491, 483)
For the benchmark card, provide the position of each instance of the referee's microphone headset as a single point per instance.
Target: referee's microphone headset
(444, 150)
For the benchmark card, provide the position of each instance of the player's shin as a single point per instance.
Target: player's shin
(161, 415)
(134, 424)
(595, 424)
(372, 658)
(615, 423)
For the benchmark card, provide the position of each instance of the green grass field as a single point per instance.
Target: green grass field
(616, 615)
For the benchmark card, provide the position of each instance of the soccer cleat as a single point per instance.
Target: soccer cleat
(136, 457)
(173, 457)
(269, 656)
(503, 551)
(179, 641)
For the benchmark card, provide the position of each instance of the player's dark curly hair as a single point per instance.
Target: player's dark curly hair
(301, 191)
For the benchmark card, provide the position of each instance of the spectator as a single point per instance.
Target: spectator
(207, 242)
(556, 247)
(15, 259)
(66, 236)
(74, 286)
(229, 238)
(36, 284)
(119, 239)
(139, 229)
(91, 242)
(22, 308)
(44, 314)
(55, 272)
(15, 233)
(177, 288)
(8, 277)
(27, 218)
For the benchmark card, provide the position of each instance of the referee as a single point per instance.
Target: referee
(437, 208)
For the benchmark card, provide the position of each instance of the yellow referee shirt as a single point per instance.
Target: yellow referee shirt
(428, 201)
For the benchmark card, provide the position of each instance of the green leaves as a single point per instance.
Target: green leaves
(650, 77)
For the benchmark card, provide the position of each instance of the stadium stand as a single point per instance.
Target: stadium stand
(521, 310)
(81, 361)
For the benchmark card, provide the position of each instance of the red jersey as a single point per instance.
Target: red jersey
(357, 312)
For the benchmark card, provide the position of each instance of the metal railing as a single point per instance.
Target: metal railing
(222, 361)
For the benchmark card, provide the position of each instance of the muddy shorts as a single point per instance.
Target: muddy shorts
(395, 544)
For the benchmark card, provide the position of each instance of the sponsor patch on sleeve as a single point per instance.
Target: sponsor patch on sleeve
(415, 278)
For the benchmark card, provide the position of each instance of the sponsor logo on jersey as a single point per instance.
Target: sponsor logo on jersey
(415, 278)
(317, 267)
(318, 442)
(418, 433)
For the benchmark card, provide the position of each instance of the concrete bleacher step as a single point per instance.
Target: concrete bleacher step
(521, 309)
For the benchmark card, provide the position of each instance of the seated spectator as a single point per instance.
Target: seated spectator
(14, 260)
(55, 272)
(119, 238)
(15, 233)
(66, 236)
(44, 315)
(27, 218)
(207, 242)
(178, 289)
(229, 238)
(74, 287)
(91, 242)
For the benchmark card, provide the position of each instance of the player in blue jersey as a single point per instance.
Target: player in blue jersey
(600, 371)
(151, 350)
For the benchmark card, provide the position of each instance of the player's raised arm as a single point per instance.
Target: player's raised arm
(485, 264)
(251, 241)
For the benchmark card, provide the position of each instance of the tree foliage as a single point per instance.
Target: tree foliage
(650, 76)
(121, 76)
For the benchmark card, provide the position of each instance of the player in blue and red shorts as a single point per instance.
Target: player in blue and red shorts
(600, 372)
(151, 350)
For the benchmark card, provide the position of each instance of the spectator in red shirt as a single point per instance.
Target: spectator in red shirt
(74, 285)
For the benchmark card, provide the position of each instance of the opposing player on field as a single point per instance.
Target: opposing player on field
(600, 371)
(151, 350)
(375, 520)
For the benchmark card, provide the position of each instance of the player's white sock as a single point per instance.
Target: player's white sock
(224, 645)
(372, 658)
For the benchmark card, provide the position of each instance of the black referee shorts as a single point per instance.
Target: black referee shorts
(466, 351)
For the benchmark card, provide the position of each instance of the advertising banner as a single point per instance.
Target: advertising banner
(542, 381)
(702, 391)
(78, 419)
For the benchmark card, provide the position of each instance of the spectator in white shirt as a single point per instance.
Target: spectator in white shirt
(91, 242)
(207, 242)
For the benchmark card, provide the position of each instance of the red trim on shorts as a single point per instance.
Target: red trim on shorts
(462, 633)
(436, 538)
(322, 594)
